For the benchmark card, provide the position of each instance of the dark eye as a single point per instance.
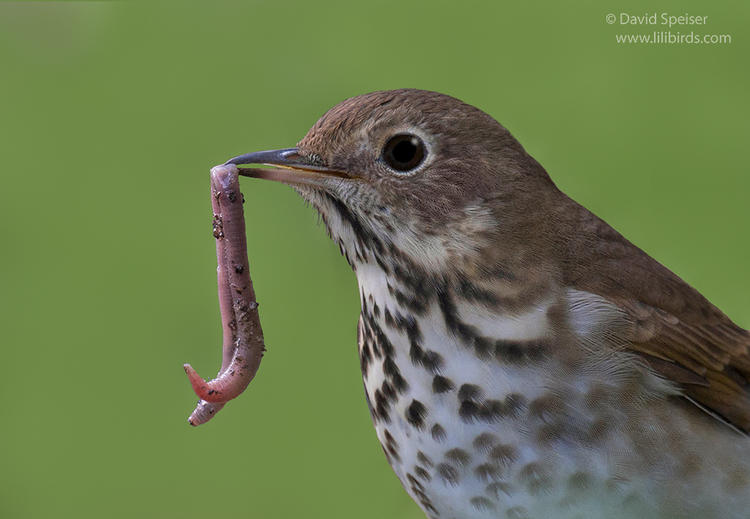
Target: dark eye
(404, 152)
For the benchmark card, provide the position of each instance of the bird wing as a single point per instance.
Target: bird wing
(676, 330)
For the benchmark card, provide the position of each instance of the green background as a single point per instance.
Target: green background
(112, 114)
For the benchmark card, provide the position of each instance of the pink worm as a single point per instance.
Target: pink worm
(242, 335)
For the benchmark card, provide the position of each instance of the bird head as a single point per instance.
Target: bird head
(412, 171)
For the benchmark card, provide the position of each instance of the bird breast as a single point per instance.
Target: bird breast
(479, 418)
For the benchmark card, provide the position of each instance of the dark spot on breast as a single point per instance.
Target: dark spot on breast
(518, 352)
(389, 439)
(432, 361)
(535, 350)
(389, 392)
(414, 302)
(389, 321)
(393, 452)
(406, 324)
(448, 473)
(481, 504)
(441, 384)
(419, 494)
(448, 308)
(438, 433)
(469, 392)
(424, 459)
(422, 473)
(469, 411)
(484, 442)
(459, 456)
(488, 471)
(384, 344)
(414, 483)
(411, 275)
(504, 454)
(365, 358)
(391, 448)
(516, 402)
(493, 410)
(415, 413)
(483, 347)
(415, 353)
(508, 351)
(382, 406)
(512, 406)
(389, 367)
(399, 383)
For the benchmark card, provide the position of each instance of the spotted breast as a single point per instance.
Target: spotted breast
(479, 419)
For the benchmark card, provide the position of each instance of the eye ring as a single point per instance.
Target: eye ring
(404, 152)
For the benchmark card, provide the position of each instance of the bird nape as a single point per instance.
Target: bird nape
(521, 358)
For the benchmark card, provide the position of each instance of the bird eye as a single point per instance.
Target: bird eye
(404, 152)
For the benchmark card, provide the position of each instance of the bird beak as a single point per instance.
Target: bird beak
(290, 168)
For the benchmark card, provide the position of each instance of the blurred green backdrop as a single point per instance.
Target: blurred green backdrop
(112, 114)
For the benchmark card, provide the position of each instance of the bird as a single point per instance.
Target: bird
(521, 359)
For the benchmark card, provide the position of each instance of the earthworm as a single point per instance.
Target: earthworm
(243, 345)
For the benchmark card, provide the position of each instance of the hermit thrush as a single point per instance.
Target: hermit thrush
(520, 357)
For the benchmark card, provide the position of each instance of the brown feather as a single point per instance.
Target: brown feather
(678, 332)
